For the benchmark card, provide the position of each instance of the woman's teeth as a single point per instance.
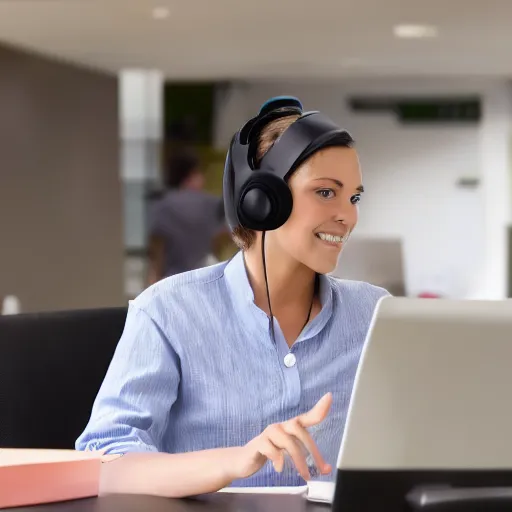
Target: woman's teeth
(331, 238)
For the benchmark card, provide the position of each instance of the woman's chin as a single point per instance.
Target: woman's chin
(323, 265)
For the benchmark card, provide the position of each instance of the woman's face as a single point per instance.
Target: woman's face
(326, 191)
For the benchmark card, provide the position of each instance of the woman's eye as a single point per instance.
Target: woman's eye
(355, 199)
(326, 193)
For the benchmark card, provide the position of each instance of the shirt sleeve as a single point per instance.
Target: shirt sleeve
(133, 405)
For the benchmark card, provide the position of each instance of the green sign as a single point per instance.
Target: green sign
(439, 110)
(422, 109)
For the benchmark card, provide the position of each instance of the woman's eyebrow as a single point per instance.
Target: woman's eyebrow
(359, 189)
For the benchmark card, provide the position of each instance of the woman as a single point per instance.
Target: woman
(220, 371)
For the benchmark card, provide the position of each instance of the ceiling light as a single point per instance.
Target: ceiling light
(415, 31)
(160, 13)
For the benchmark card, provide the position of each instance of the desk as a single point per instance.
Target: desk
(206, 503)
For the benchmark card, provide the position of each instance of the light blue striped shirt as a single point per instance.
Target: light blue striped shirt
(196, 368)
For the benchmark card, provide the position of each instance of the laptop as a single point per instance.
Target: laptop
(429, 424)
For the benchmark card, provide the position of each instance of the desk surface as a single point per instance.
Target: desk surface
(207, 503)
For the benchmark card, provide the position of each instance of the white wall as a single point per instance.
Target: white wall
(410, 174)
(496, 168)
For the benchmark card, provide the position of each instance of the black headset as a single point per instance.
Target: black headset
(258, 197)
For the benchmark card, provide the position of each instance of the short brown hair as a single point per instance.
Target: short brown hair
(182, 163)
(244, 238)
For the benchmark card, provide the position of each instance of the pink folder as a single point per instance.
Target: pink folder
(31, 477)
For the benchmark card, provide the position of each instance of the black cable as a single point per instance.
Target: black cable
(271, 317)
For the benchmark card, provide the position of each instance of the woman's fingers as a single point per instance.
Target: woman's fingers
(293, 438)
(272, 453)
(316, 414)
(294, 428)
(284, 441)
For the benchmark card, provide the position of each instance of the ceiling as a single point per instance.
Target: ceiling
(267, 39)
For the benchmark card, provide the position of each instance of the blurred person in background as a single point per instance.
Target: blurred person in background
(185, 222)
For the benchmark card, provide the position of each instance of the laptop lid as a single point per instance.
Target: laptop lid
(431, 403)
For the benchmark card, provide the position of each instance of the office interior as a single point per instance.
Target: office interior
(95, 95)
(90, 95)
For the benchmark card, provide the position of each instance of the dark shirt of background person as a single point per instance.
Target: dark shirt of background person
(185, 221)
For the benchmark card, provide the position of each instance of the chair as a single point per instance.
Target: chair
(51, 368)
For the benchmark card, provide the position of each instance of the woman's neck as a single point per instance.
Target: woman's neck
(291, 284)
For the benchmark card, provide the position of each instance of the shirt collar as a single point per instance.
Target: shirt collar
(238, 280)
(243, 296)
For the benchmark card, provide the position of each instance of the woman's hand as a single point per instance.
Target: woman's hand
(290, 436)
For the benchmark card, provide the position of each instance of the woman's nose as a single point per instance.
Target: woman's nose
(347, 215)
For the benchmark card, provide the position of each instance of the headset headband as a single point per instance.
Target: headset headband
(258, 197)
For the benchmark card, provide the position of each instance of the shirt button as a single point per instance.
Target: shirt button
(290, 360)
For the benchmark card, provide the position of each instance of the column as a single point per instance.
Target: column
(495, 165)
(141, 134)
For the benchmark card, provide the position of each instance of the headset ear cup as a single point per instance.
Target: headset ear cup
(265, 202)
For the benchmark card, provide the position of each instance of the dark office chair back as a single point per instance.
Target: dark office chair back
(51, 368)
